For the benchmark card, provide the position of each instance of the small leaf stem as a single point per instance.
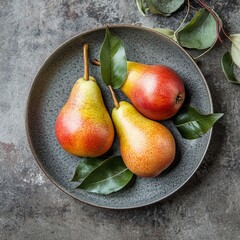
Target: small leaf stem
(192, 7)
(195, 58)
(85, 60)
(180, 26)
(219, 28)
(116, 103)
(141, 7)
(95, 62)
(216, 18)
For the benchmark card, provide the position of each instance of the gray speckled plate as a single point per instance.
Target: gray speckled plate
(51, 88)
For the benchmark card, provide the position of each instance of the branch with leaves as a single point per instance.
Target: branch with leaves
(202, 32)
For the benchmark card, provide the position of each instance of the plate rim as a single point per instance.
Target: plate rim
(43, 65)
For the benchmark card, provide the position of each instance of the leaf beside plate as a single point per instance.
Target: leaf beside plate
(167, 32)
(200, 33)
(142, 8)
(227, 66)
(235, 49)
(164, 7)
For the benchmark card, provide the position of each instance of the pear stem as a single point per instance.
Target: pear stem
(85, 60)
(116, 103)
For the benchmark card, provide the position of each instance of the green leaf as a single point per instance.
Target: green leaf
(113, 61)
(110, 176)
(200, 33)
(235, 49)
(167, 32)
(192, 124)
(164, 7)
(141, 4)
(85, 166)
(227, 66)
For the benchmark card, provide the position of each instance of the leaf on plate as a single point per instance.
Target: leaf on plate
(192, 124)
(113, 61)
(200, 32)
(235, 49)
(227, 66)
(85, 166)
(110, 176)
(164, 7)
(167, 32)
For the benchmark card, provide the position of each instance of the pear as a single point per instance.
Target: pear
(83, 126)
(157, 91)
(147, 147)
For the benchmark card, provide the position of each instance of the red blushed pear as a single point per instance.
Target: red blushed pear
(83, 126)
(156, 91)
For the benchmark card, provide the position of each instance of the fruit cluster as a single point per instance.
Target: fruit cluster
(85, 128)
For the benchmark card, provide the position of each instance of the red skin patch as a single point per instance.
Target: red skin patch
(154, 90)
(81, 137)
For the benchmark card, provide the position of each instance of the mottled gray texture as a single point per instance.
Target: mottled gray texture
(31, 207)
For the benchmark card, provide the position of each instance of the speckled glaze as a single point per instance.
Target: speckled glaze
(50, 91)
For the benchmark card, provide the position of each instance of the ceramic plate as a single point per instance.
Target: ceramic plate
(51, 88)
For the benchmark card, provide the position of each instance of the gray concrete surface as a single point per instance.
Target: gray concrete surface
(31, 207)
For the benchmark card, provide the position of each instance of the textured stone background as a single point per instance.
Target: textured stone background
(31, 207)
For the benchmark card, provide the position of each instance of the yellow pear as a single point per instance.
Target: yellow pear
(147, 147)
(83, 126)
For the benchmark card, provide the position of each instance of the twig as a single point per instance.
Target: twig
(188, 8)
